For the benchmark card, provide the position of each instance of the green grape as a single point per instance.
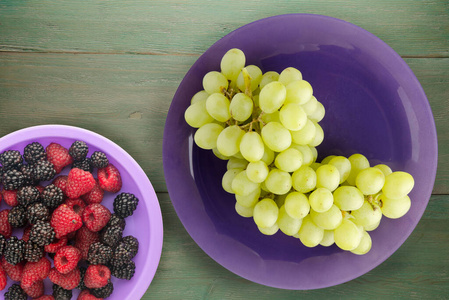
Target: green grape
(272, 97)
(241, 107)
(246, 212)
(236, 163)
(278, 182)
(315, 166)
(276, 136)
(241, 185)
(327, 176)
(297, 205)
(248, 200)
(217, 105)
(289, 74)
(358, 163)
(252, 147)
(384, 168)
(292, 116)
(263, 186)
(299, 92)
(280, 199)
(269, 230)
(268, 77)
(307, 154)
(214, 82)
(254, 73)
(395, 208)
(196, 114)
(305, 135)
(232, 63)
(321, 199)
(287, 224)
(206, 136)
(257, 171)
(228, 177)
(398, 184)
(310, 234)
(348, 198)
(310, 106)
(273, 117)
(238, 155)
(268, 155)
(265, 213)
(365, 244)
(228, 141)
(368, 216)
(328, 238)
(328, 220)
(219, 155)
(288, 160)
(319, 136)
(343, 166)
(199, 96)
(314, 153)
(327, 159)
(348, 235)
(370, 181)
(304, 179)
(318, 114)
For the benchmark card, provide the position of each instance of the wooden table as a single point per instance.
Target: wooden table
(114, 66)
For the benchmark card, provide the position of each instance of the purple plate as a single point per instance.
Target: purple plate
(146, 222)
(374, 106)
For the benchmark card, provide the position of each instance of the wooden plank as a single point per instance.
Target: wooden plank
(418, 270)
(411, 27)
(126, 98)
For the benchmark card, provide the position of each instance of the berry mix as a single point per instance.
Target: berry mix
(64, 221)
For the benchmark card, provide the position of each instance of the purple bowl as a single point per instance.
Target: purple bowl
(146, 222)
(374, 106)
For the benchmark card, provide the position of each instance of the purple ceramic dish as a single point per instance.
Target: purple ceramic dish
(146, 222)
(374, 106)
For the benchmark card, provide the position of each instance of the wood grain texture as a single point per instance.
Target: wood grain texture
(183, 27)
(418, 270)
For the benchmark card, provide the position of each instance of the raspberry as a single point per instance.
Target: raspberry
(77, 205)
(52, 196)
(12, 179)
(78, 150)
(67, 281)
(35, 290)
(14, 250)
(5, 227)
(125, 204)
(10, 197)
(33, 252)
(83, 165)
(83, 239)
(34, 152)
(61, 294)
(103, 292)
(11, 159)
(99, 254)
(96, 216)
(79, 182)
(37, 212)
(44, 170)
(42, 233)
(56, 245)
(124, 271)
(86, 295)
(46, 297)
(66, 259)
(35, 271)
(26, 234)
(14, 272)
(27, 195)
(17, 216)
(97, 276)
(109, 178)
(95, 195)
(98, 160)
(61, 182)
(65, 220)
(58, 156)
(15, 292)
(3, 279)
(111, 235)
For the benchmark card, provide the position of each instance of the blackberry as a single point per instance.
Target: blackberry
(12, 179)
(125, 204)
(44, 171)
(116, 221)
(132, 243)
(37, 211)
(11, 159)
(124, 271)
(78, 150)
(52, 196)
(28, 175)
(14, 250)
(121, 254)
(111, 235)
(33, 252)
(83, 165)
(15, 292)
(17, 216)
(60, 293)
(99, 254)
(27, 195)
(103, 292)
(99, 160)
(34, 152)
(42, 233)
(81, 286)
(2, 244)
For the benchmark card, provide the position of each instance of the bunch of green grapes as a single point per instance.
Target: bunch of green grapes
(266, 125)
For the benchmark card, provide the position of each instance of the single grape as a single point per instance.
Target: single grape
(276, 136)
(255, 74)
(296, 205)
(343, 166)
(328, 220)
(278, 182)
(310, 106)
(398, 184)
(304, 179)
(217, 105)
(319, 136)
(287, 224)
(318, 114)
(305, 135)
(310, 234)
(328, 238)
(268, 155)
(257, 171)
(288, 160)
(321, 200)
(268, 77)
(272, 97)
(327, 177)
(384, 168)
(307, 154)
(201, 95)
(241, 185)
(395, 208)
(265, 213)
(252, 147)
(246, 212)
(196, 114)
(327, 159)
(214, 82)
(228, 177)
(289, 74)
(292, 116)
(315, 166)
(269, 230)
(219, 155)
(348, 235)
(241, 107)
(348, 198)
(314, 153)
(368, 215)
(248, 200)
(232, 63)
(206, 136)
(228, 141)
(299, 92)
(370, 181)
(365, 244)
(358, 163)
(236, 163)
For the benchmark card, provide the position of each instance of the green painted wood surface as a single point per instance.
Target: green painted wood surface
(114, 66)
